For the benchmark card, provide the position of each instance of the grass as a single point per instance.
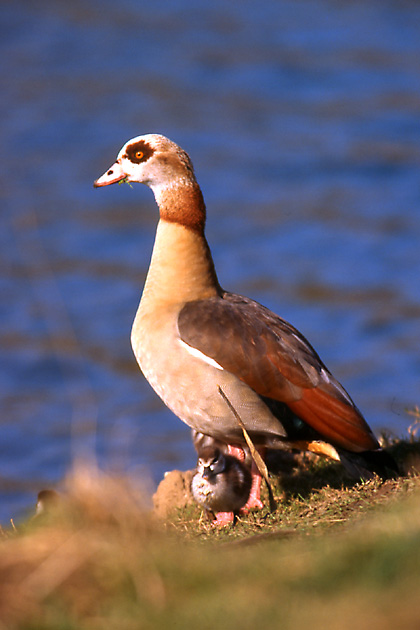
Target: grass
(334, 554)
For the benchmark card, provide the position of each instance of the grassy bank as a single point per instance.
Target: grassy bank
(334, 554)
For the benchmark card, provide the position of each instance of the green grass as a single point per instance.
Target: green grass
(334, 554)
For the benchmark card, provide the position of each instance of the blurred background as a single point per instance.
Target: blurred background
(302, 120)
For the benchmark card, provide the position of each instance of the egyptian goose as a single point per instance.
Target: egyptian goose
(192, 339)
(221, 484)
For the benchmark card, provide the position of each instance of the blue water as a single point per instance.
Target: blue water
(302, 119)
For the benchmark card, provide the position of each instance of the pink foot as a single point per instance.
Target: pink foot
(223, 519)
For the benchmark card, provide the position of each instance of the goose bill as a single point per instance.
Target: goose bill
(112, 176)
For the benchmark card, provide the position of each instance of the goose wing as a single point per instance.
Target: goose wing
(275, 360)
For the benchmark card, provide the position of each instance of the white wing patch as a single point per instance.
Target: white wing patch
(200, 355)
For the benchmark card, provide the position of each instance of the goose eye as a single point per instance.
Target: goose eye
(139, 155)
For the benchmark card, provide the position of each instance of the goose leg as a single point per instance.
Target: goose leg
(236, 451)
(254, 499)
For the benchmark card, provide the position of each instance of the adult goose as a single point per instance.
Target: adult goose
(194, 340)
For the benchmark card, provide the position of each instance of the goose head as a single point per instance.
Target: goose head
(153, 160)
